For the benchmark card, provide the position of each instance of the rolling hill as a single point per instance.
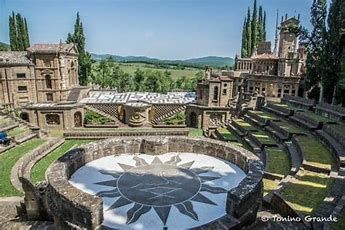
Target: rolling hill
(212, 61)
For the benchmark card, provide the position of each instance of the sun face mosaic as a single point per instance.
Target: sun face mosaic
(166, 186)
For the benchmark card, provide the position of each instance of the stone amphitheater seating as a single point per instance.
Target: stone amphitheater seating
(299, 102)
(331, 111)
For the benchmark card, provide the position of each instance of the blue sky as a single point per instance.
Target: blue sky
(169, 29)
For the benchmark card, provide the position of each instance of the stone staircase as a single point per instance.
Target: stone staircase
(90, 108)
(168, 112)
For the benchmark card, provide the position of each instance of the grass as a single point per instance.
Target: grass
(278, 161)
(269, 186)
(316, 117)
(228, 136)
(8, 160)
(16, 131)
(175, 73)
(245, 125)
(265, 115)
(264, 138)
(40, 168)
(195, 132)
(306, 192)
(340, 225)
(314, 152)
(289, 127)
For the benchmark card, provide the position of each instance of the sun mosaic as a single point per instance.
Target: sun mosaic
(140, 188)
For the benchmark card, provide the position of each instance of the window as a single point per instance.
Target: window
(52, 119)
(49, 97)
(21, 75)
(215, 93)
(48, 82)
(279, 92)
(22, 88)
(224, 92)
(200, 94)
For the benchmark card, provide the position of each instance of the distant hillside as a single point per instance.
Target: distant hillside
(212, 61)
(4, 46)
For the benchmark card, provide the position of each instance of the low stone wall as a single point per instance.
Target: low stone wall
(299, 102)
(109, 125)
(88, 134)
(331, 111)
(72, 207)
(340, 137)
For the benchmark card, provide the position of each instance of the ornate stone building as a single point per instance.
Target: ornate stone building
(212, 106)
(45, 73)
(275, 74)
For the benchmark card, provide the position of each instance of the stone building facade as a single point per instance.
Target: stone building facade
(44, 73)
(275, 74)
(214, 94)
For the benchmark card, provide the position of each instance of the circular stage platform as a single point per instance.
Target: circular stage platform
(174, 190)
(155, 183)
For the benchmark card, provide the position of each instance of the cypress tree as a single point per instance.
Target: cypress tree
(27, 39)
(85, 60)
(264, 35)
(20, 32)
(249, 34)
(244, 52)
(13, 32)
(254, 27)
(260, 26)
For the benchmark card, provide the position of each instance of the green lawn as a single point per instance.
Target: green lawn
(8, 160)
(228, 136)
(245, 125)
(264, 138)
(314, 152)
(175, 73)
(265, 115)
(16, 131)
(269, 186)
(195, 133)
(340, 225)
(289, 127)
(278, 161)
(307, 192)
(39, 169)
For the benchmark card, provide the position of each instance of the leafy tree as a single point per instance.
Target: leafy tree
(264, 33)
(249, 34)
(316, 44)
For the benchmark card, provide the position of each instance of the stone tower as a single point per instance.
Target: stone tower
(288, 37)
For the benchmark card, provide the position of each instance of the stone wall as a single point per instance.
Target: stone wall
(72, 207)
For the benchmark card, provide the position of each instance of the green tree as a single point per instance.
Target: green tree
(249, 34)
(254, 27)
(316, 44)
(264, 35)
(18, 32)
(260, 33)
(85, 60)
(13, 32)
(244, 52)
(333, 49)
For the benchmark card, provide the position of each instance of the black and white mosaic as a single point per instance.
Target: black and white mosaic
(150, 192)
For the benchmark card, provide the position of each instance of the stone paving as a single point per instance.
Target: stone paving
(147, 192)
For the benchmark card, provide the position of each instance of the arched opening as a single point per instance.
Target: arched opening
(215, 93)
(193, 120)
(78, 119)
(25, 116)
(48, 80)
